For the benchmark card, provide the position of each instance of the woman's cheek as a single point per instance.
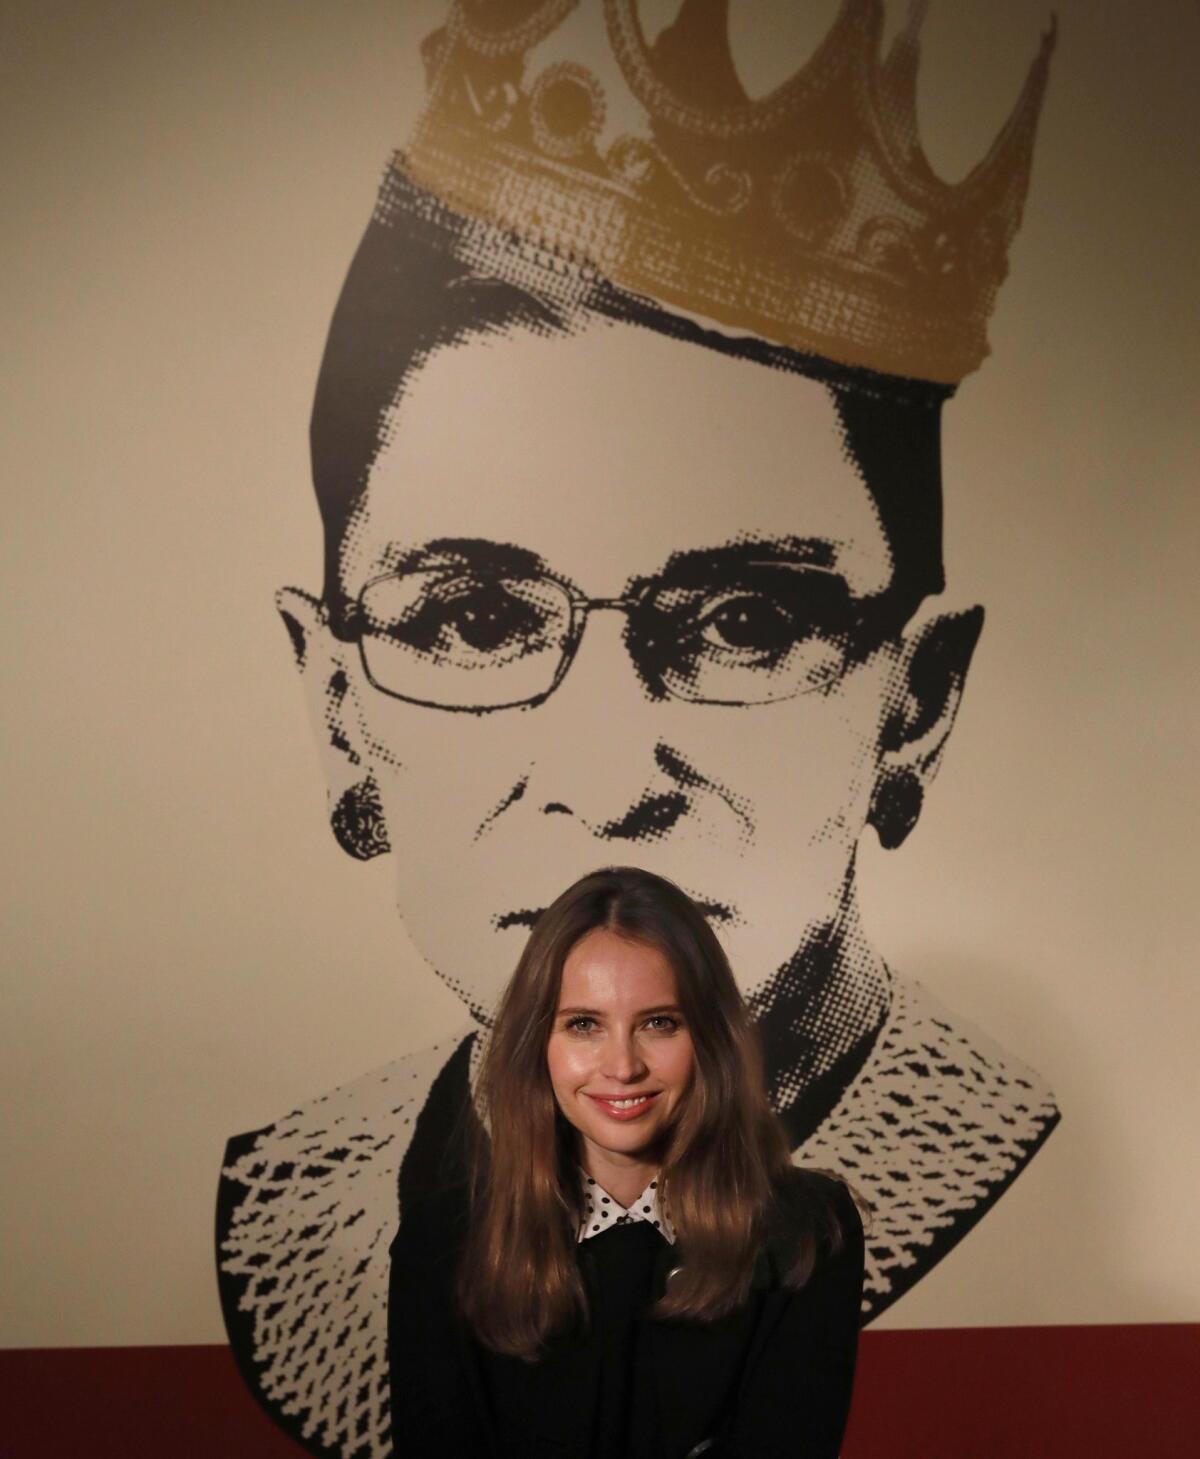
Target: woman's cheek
(570, 1069)
(682, 1063)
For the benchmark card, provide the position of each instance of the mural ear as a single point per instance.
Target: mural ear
(355, 809)
(303, 617)
(931, 674)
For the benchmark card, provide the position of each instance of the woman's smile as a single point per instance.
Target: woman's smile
(625, 1107)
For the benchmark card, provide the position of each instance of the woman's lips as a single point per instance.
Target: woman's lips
(629, 1112)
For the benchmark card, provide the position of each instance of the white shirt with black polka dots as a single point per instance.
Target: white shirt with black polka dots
(600, 1210)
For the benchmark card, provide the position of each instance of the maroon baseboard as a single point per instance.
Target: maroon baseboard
(975, 1393)
(132, 1403)
(1127, 1392)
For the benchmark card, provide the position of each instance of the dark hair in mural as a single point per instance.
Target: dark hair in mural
(409, 292)
(721, 1173)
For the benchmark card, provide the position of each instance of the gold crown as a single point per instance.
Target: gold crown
(809, 217)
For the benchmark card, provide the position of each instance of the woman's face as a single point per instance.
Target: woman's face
(604, 454)
(618, 1031)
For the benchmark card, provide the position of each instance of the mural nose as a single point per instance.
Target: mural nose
(582, 766)
(602, 668)
(615, 806)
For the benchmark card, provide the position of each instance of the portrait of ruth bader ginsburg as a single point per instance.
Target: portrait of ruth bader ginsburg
(627, 452)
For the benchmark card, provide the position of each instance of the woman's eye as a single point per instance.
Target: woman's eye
(575, 1025)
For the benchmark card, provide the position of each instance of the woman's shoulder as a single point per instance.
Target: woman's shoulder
(814, 1184)
(821, 1202)
(437, 1217)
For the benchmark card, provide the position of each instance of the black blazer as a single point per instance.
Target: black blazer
(792, 1397)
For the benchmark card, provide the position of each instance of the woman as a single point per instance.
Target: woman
(652, 1276)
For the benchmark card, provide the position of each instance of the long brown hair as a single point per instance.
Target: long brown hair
(724, 1160)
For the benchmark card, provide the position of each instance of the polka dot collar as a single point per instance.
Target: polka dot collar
(600, 1210)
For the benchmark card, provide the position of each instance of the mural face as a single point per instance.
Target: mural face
(760, 522)
(606, 584)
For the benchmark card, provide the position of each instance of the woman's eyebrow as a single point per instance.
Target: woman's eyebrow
(641, 1013)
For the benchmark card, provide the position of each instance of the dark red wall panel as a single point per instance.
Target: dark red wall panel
(1128, 1392)
(975, 1393)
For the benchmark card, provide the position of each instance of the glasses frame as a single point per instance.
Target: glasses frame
(875, 619)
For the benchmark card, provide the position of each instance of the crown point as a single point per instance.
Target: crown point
(1000, 182)
(897, 93)
(1028, 105)
(867, 14)
(911, 29)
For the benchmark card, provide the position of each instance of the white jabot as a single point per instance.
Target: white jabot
(601, 1210)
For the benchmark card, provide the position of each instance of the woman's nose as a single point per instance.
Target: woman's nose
(623, 1060)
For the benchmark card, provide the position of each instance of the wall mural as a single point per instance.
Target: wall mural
(628, 461)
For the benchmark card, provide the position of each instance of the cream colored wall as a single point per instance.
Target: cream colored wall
(187, 953)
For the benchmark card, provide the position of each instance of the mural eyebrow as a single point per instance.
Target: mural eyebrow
(814, 551)
(470, 551)
(693, 564)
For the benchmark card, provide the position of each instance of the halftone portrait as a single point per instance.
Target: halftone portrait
(626, 444)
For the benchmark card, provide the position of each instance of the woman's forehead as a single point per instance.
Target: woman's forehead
(617, 969)
(608, 449)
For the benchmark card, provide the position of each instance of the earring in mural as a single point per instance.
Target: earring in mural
(358, 822)
(895, 807)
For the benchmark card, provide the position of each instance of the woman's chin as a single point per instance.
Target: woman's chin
(628, 1137)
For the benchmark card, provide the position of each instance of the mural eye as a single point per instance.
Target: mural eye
(483, 618)
(773, 633)
(751, 624)
(463, 620)
(462, 639)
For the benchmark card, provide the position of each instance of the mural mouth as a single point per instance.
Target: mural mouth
(527, 916)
